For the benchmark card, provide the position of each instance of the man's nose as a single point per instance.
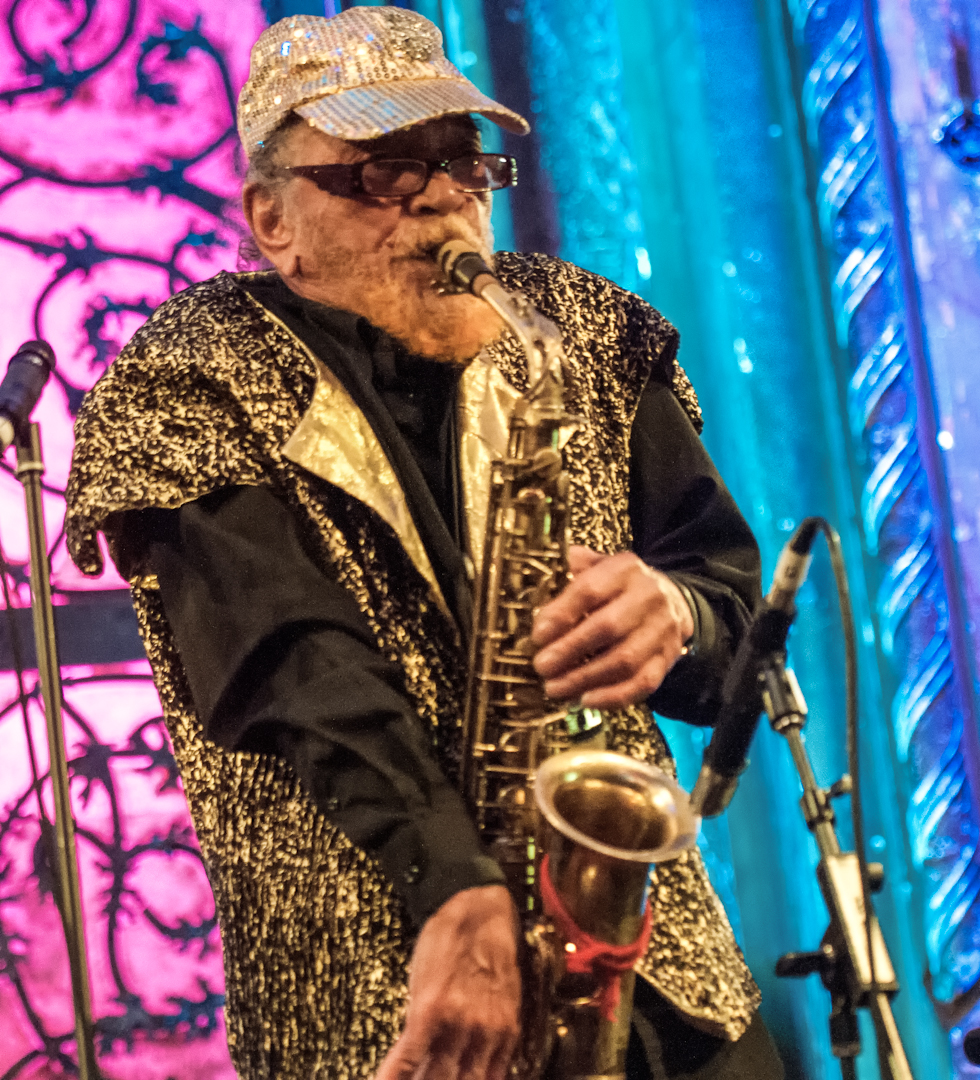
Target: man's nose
(441, 196)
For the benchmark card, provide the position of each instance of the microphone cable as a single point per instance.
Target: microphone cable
(852, 739)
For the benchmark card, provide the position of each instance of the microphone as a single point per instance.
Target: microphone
(461, 264)
(27, 373)
(741, 694)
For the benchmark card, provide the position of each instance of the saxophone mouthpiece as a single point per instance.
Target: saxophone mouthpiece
(463, 267)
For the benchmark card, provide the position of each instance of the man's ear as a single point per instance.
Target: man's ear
(263, 211)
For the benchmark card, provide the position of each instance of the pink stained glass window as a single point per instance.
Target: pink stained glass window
(154, 952)
(119, 173)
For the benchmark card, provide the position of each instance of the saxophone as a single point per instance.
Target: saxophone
(576, 829)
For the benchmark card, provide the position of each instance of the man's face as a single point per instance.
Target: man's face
(373, 256)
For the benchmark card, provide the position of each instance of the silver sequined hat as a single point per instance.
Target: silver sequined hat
(358, 75)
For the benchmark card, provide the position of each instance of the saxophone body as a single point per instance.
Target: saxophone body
(547, 798)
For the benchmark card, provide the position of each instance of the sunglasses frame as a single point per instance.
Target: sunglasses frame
(346, 180)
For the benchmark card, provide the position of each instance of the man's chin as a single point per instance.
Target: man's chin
(449, 327)
(452, 333)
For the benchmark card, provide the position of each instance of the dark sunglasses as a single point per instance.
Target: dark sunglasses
(387, 177)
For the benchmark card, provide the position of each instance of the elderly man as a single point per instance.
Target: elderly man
(280, 462)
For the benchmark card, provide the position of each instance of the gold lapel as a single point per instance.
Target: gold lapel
(335, 442)
(486, 401)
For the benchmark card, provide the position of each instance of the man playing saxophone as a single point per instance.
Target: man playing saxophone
(285, 465)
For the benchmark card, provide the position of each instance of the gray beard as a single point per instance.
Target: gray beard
(398, 291)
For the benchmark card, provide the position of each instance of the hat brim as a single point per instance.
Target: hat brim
(368, 112)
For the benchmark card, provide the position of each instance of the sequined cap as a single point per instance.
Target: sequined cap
(358, 75)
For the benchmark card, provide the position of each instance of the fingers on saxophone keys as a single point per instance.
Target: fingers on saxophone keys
(583, 595)
(602, 631)
(626, 673)
(631, 692)
(568, 655)
(549, 625)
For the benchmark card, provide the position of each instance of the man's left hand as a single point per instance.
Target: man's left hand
(613, 633)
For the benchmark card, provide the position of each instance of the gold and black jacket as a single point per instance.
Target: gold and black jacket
(214, 391)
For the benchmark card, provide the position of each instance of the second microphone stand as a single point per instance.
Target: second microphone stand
(854, 938)
(30, 466)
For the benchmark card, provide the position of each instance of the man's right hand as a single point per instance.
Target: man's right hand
(464, 993)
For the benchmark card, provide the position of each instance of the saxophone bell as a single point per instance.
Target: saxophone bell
(615, 806)
(611, 820)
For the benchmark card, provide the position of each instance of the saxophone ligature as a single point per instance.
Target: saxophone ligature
(575, 828)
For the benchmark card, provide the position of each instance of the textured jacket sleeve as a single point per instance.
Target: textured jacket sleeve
(281, 660)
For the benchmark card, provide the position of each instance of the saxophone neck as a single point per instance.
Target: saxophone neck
(537, 334)
(466, 271)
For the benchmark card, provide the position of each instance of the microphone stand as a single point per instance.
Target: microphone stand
(30, 466)
(854, 939)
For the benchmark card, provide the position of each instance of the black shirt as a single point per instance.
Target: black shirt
(281, 660)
